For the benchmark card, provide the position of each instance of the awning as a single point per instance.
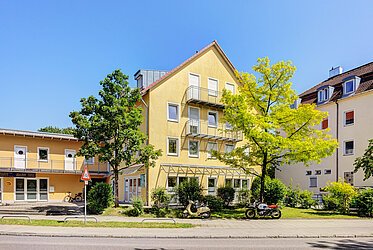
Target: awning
(132, 169)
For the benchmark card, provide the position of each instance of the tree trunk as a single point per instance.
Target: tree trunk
(116, 193)
(262, 178)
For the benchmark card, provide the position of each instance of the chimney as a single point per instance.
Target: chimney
(335, 71)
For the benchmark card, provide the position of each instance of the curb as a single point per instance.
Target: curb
(186, 237)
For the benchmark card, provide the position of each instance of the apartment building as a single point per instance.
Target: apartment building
(183, 116)
(347, 97)
(38, 166)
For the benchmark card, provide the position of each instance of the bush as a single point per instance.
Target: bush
(296, 197)
(188, 190)
(160, 197)
(226, 194)
(340, 196)
(364, 202)
(274, 190)
(305, 199)
(215, 203)
(137, 207)
(244, 196)
(99, 198)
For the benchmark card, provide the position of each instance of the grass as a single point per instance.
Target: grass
(54, 223)
(287, 213)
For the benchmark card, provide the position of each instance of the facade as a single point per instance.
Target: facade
(347, 98)
(38, 166)
(183, 116)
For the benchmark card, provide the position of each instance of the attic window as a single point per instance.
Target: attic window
(323, 95)
(349, 87)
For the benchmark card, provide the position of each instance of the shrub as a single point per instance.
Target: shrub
(364, 202)
(188, 190)
(292, 197)
(137, 207)
(244, 196)
(160, 197)
(340, 195)
(305, 199)
(99, 198)
(226, 194)
(215, 203)
(274, 190)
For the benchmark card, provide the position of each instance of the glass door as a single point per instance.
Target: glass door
(193, 120)
(20, 189)
(43, 189)
(193, 87)
(31, 189)
(211, 186)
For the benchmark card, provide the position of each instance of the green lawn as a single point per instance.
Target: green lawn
(54, 223)
(287, 213)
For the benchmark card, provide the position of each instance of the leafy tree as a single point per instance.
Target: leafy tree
(51, 129)
(365, 162)
(227, 194)
(276, 133)
(274, 190)
(340, 196)
(109, 127)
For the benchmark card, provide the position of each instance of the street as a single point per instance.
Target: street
(65, 243)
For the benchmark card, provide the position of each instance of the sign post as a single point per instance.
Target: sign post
(85, 177)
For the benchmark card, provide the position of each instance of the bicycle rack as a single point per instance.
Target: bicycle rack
(158, 219)
(16, 216)
(80, 217)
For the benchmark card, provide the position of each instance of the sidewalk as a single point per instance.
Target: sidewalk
(216, 228)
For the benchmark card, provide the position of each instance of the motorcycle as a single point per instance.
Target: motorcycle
(196, 209)
(263, 210)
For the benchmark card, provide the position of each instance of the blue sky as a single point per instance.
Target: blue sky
(52, 53)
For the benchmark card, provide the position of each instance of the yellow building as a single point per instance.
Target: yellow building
(183, 116)
(347, 98)
(38, 166)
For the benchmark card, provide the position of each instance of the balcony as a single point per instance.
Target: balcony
(75, 166)
(204, 96)
(201, 129)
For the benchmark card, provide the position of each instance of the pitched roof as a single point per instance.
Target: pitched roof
(365, 72)
(189, 60)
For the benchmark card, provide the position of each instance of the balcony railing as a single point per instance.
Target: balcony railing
(51, 166)
(202, 129)
(204, 96)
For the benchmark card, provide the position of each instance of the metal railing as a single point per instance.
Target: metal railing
(35, 165)
(217, 131)
(202, 95)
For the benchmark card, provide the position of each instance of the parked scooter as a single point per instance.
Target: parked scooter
(263, 210)
(196, 209)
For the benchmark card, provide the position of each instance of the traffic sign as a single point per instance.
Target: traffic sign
(85, 175)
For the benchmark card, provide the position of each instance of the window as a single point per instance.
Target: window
(194, 178)
(317, 172)
(230, 87)
(348, 147)
(172, 146)
(213, 87)
(43, 154)
(228, 126)
(323, 95)
(313, 181)
(237, 183)
(193, 149)
(229, 148)
(245, 184)
(211, 146)
(89, 161)
(349, 118)
(212, 119)
(349, 177)
(327, 171)
(182, 179)
(308, 172)
(173, 112)
(349, 87)
(324, 124)
(228, 182)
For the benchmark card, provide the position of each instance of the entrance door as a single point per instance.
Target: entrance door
(20, 157)
(70, 159)
(31, 189)
(20, 189)
(126, 190)
(131, 188)
(193, 86)
(211, 186)
(193, 120)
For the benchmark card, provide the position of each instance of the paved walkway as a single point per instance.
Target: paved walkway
(214, 228)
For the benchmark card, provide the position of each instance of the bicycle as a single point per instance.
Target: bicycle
(77, 198)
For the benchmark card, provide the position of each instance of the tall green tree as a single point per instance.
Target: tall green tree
(109, 127)
(51, 129)
(276, 133)
(365, 162)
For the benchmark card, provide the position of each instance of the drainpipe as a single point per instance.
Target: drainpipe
(337, 135)
(147, 142)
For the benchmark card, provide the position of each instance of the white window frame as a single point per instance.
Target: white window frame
(190, 155)
(172, 189)
(209, 156)
(313, 177)
(308, 172)
(89, 161)
(212, 92)
(345, 87)
(216, 116)
(45, 148)
(344, 148)
(323, 95)
(25, 188)
(177, 146)
(226, 146)
(231, 84)
(177, 113)
(344, 118)
(26, 153)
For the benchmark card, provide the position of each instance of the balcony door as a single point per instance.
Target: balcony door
(70, 159)
(193, 120)
(20, 157)
(193, 86)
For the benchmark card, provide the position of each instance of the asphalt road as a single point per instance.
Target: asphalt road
(66, 243)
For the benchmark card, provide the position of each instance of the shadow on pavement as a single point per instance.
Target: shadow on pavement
(342, 244)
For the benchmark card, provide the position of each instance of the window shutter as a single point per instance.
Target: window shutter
(324, 124)
(350, 115)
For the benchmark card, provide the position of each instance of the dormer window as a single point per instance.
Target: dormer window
(350, 85)
(324, 94)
